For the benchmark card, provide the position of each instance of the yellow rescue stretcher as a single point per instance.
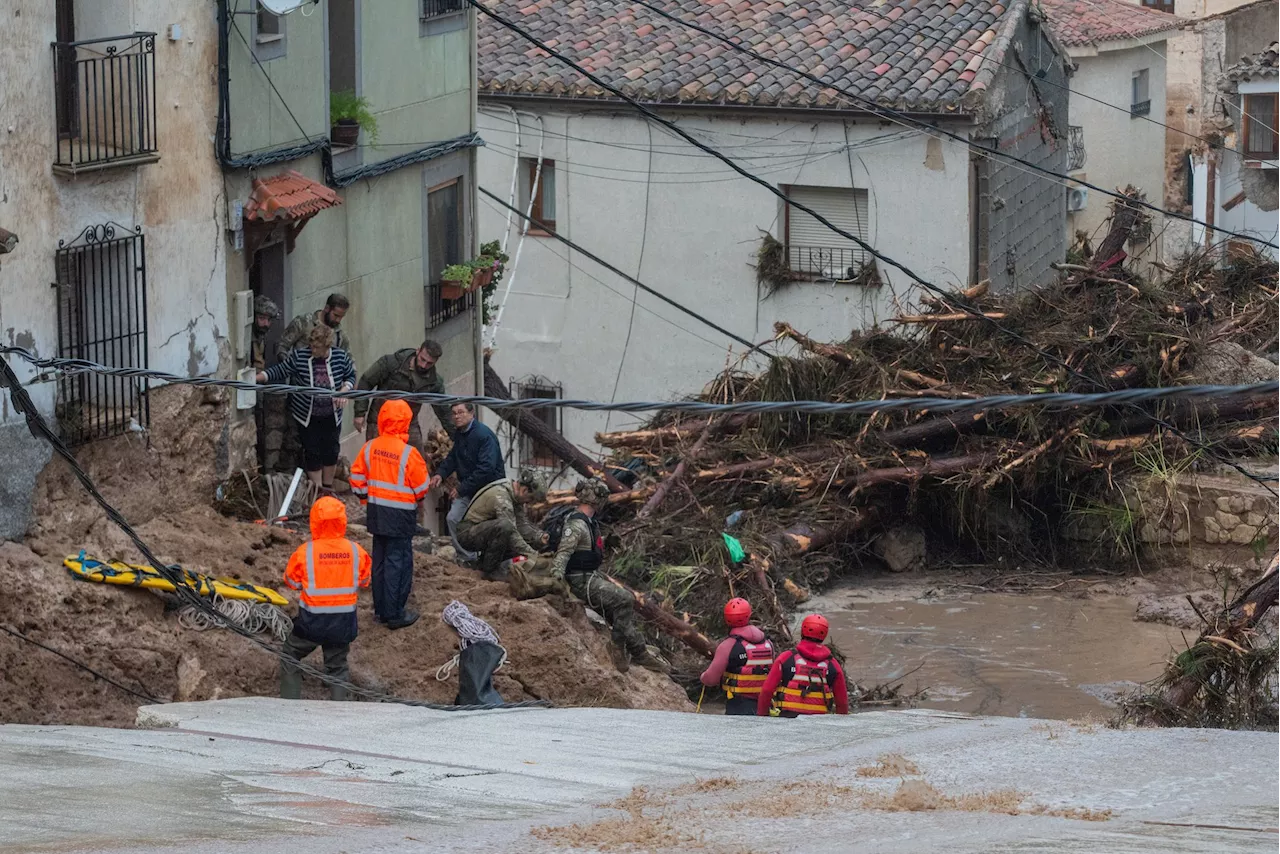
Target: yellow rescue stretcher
(136, 575)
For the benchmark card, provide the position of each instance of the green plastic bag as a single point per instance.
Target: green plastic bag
(736, 553)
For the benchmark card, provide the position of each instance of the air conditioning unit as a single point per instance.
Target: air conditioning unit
(1077, 199)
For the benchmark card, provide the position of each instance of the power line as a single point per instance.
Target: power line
(890, 114)
(80, 664)
(1044, 400)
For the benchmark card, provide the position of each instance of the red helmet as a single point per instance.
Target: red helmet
(814, 627)
(737, 613)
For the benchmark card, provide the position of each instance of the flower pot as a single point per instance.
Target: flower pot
(481, 277)
(345, 134)
(453, 290)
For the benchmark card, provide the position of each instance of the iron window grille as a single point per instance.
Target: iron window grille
(446, 235)
(105, 103)
(820, 262)
(102, 317)
(534, 453)
(1140, 102)
(436, 8)
(1076, 154)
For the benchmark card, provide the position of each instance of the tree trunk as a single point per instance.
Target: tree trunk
(830, 351)
(926, 431)
(561, 497)
(1191, 413)
(800, 539)
(956, 317)
(676, 476)
(1124, 216)
(804, 455)
(661, 435)
(538, 430)
(648, 607)
(939, 467)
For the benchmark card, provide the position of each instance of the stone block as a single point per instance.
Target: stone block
(1211, 525)
(1224, 503)
(1227, 521)
(1244, 534)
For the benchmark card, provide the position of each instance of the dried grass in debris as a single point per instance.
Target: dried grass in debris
(633, 833)
(922, 796)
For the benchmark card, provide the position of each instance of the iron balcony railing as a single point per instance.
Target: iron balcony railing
(434, 8)
(1076, 154)
(440, 309)
(106, 102)
(824, 263)
(1141, 108)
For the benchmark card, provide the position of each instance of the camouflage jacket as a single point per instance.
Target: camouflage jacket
(396, 372)
(497, 501)
(575, 537)
(296, 333)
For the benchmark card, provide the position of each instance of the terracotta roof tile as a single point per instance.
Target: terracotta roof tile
(1082, 22)
(1258, 66)
(909, 54)
(290, 195)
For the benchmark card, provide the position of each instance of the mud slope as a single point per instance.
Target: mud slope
(554, 652)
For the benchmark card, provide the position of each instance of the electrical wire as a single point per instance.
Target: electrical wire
(1042, 400)
(80, 664)
(888, 113)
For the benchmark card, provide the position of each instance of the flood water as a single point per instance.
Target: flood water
(1006, 654)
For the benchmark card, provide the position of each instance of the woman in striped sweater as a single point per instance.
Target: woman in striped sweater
(320, 365)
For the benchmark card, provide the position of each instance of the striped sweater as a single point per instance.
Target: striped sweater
(296, 369)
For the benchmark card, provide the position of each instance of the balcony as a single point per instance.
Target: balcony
(820, 262)
(1139, 108)
(436, 8)
(105, 103)
(1076, 154)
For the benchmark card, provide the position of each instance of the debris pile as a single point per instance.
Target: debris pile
(808, 496)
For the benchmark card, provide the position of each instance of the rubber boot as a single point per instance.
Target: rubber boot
(619, 657)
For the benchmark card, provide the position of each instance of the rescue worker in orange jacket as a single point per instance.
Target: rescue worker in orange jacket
(806, 680)
(326, 571)
(390, 478)
(742, 660)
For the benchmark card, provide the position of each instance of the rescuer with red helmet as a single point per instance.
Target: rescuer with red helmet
(806, 680)
(741, 662)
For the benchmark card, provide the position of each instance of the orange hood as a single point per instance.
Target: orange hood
(394, 418)
(328, 519)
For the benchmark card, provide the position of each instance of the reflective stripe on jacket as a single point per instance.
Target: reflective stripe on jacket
(390, 477)
(748, 668)
(332, 578)
(808, 691)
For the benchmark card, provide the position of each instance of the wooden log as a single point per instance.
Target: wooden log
(1191, 413)
(759, 566)
(1231, 625)
(920, 379)
(931, 429)
(804, 455)
(978, 290)
(801, 539)
(1124, 216)
(560, 497)
(677, 475)
(648, 607)
(956, 317)
(830, 351)
(936, 467)
(663, 435)
(543, 433)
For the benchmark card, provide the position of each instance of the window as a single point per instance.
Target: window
(544, 201)
(1140, 97)
(444, 247)
(102, 317)
(532, 452)
(268, 34)
(1259, 123)
(1159, 5)
(815, 251)
(435, 8)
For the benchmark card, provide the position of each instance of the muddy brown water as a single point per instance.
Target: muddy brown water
(1005, 654)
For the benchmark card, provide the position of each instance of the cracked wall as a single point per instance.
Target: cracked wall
(176, 201)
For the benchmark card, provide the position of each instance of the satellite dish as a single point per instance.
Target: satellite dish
(281, 7)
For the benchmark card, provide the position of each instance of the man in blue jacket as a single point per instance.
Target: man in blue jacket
(477, 460)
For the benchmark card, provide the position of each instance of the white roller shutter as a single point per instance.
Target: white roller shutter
(814, 248)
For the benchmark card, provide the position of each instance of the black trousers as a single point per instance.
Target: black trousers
(335, 664)
(740, 706)
(392, 576)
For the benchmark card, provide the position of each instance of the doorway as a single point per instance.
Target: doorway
(268, 277)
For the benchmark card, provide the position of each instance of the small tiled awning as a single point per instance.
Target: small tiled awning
(290, 196)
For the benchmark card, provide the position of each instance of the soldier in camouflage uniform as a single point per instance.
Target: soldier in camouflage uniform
(495, 524)
(579, 555)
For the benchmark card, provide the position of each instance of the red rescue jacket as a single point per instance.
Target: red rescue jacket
(804, 681)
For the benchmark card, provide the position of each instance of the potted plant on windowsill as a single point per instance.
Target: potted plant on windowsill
(458, 280)
(349, 114)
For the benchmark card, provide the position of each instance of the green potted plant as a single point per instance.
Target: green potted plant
(348, 114)
(455, 281)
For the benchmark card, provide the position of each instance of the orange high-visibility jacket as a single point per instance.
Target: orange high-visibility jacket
(328, 569)
(388, 472)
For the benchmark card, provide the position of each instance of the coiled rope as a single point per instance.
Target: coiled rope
(471, 630)
(256, 617)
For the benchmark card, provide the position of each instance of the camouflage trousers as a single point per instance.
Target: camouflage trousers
(495, 540)
(614, 604)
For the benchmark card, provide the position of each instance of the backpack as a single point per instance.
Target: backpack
(553, 524)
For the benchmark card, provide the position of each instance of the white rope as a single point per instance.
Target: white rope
(257, 617)
(509, 276)
(471, 630)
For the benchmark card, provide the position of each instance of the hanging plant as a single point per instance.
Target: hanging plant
(772, 270)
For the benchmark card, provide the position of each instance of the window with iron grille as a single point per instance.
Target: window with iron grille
(1140, 100)
(101, 280)
(1259, 123)
(105, 105)
(813, 249)
(534, 453)
(435, 8)
(445, 237)
(1075, 148)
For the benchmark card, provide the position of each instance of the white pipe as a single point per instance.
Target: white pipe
(515, 175)
(288, 496)
(515, 262)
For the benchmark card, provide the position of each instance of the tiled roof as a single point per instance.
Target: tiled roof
(1259, 66)
(920, 55)
(1082, 22)
(290, 195)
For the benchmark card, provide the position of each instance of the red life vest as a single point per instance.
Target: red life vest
(807, 692)
(746, 679)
